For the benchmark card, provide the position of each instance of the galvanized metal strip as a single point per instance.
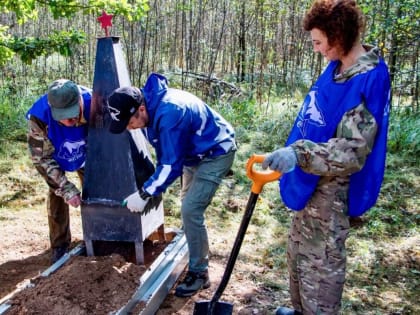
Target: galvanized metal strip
(4, 308)
(156, 283)
(157, 294)
(77, 251)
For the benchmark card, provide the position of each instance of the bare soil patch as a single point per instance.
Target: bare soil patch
(84, 285)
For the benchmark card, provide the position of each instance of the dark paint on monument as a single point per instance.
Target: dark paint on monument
(109, 170)
(115, 168)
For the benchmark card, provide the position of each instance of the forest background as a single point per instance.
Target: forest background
(251, 61)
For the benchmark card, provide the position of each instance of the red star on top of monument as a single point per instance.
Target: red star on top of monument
(106, 22)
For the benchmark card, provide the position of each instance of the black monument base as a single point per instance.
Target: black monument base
(104, 223)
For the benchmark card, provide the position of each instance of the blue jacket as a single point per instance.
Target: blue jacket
(333, 100)
(182, 129)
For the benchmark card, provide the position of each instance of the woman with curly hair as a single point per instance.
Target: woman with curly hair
(334, 159)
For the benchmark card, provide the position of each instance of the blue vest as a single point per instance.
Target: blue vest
(69, 142)
(321, 112)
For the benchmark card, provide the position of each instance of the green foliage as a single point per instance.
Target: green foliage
(393, 17)
(5, 52)
(132, 10)
(12, 117)
(240, 112)
(29, 48)
(274, 128)
(396, 211)
(24, 10)
(390, 222)
(404, 136)
(62, 42)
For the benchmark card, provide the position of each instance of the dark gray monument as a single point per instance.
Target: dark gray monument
(116, 165)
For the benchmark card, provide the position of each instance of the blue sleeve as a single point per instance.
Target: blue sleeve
(170, 148)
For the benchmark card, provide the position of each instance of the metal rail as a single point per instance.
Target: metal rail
(156, 283)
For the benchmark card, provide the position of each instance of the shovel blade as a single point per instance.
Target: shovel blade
(220, 308)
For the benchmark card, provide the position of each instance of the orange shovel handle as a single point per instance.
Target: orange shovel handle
(259, 178)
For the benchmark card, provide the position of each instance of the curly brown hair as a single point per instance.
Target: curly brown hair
(342, 21)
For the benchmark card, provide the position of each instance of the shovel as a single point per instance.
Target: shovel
(259, 179)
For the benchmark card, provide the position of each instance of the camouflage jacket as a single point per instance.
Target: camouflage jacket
(41, 151)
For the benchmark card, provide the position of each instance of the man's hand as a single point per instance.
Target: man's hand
(136, 203)
(75, 201)
(282, 160)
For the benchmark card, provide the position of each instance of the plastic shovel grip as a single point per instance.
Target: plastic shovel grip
(259, 178)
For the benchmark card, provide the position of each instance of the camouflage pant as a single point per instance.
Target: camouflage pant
(317, 256)
(58, 218)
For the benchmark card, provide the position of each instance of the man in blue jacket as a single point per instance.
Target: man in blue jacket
(191, 140)
(57, 134)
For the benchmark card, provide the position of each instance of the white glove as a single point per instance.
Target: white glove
(282, 160)
(136, 203)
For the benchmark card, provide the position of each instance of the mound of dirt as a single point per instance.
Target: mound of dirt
(84, 285)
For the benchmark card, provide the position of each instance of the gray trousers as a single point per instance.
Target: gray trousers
(199, 184)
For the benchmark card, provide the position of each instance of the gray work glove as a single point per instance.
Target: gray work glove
(282, 160)
(136, 203)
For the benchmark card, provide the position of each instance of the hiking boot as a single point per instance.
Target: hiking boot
(287, 311)
(58, 252)
(193, 282)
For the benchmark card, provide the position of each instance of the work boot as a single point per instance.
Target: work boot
(58, 252)
(287, 311)
(193, 282)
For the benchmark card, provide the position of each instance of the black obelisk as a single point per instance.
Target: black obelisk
(114, 167)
